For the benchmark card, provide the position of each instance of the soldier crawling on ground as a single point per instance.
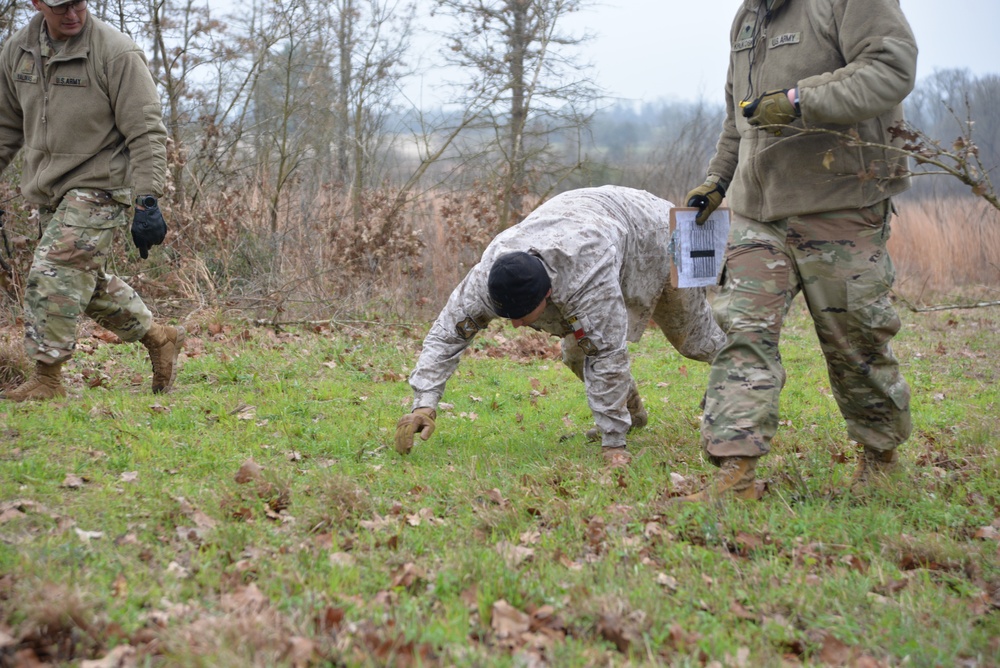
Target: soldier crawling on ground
(591, 266)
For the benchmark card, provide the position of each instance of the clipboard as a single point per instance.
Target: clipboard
(697, 251)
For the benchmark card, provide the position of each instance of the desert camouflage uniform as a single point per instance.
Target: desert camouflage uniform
(606, 252)
(68, 277)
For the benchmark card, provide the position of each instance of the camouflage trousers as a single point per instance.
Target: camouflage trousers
(67, 277)
(838, 260)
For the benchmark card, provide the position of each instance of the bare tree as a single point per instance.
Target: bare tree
(515, 52)
(291, 102)
(12, 16)
(371, 38)
(182, 38)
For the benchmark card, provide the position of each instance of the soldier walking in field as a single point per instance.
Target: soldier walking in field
(811, 215)
(78, 97)
(590, 266)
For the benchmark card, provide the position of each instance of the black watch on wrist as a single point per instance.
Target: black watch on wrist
(146, 201)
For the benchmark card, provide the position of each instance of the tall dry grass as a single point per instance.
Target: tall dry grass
(315, 262)
(946, 248)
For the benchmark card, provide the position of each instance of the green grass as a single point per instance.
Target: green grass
(502, 540)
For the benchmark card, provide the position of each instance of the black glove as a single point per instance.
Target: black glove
(148, 229)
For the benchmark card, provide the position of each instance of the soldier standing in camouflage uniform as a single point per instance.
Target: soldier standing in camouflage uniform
(590, 266)
(811, 216)
(77, 96)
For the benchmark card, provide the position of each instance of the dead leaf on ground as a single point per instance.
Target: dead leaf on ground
(249, 471)
(379, 523)
(496, 497)
(408, 576)
(119, 588)
(10, 514)
(73, 481)
(507, 621)
(596, 534)
(342, 559)
(563, 559)
(200, 519)
(470, 597)
(741, 612)
(421, 516)
(989, 532)
(514, 555)
(832, 651)
(244, 600)
(122, 656)
(530, 537)
(87, 536)
(618, 631)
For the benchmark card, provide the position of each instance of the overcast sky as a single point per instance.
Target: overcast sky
(646, 50)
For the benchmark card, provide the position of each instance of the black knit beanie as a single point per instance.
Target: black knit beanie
(518, 283)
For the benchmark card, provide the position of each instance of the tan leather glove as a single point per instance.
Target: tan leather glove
(420, 421)
(770, 109)
(707, 197)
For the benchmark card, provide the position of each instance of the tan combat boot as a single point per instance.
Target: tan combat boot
(44, 383)
(735, 478)
(873, 466)
(164, 344)
(636, 411)
(640, 418)
(616, 458)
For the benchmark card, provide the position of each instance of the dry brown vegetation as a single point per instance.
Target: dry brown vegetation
(946, 247)
(321, 265)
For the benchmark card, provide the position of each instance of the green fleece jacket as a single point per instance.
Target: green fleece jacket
(89, 118)
(853, 62)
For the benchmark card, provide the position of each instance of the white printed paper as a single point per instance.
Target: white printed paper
(699, 250)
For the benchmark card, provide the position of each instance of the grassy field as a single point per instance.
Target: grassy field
(258, 515)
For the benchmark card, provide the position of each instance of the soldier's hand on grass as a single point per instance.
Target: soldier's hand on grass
(420, 421)
(707, 197)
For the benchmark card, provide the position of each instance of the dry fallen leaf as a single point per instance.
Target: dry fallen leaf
(86, 536)
(72, 481)
(343, 559)
(119, 588)
(514, 555)
(408, 576)
(120, 657)
(10, 514)
(988, 533)
(496, 497)
(249, 471)
(530, 537)
(507, 621)
(668, 581)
